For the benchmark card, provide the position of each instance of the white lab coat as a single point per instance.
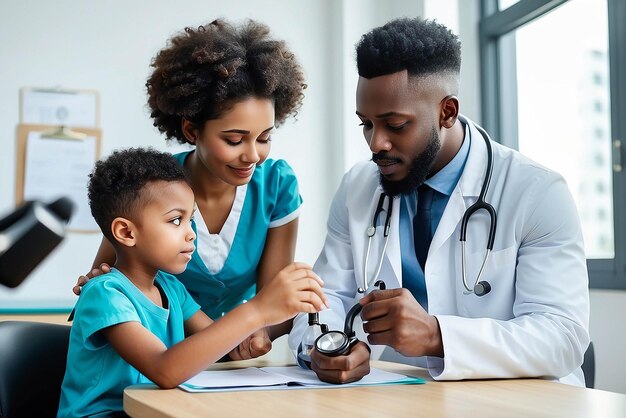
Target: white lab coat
(534, 322)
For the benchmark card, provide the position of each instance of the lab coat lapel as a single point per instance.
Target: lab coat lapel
(466, 190)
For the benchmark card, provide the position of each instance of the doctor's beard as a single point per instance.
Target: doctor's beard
(419, 170)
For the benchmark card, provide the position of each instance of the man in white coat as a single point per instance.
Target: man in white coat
(529, 315)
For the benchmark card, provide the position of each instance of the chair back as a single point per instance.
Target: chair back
(32, 366)
(589, 367)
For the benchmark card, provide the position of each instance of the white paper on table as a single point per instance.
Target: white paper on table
(289, 377)
(308, 377)
(251, 376)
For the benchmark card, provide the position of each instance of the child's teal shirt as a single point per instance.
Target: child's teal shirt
(96, 375)
(272, 195)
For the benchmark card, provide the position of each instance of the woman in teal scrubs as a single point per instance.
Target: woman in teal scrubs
(224, 89)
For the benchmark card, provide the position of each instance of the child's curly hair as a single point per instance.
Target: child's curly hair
(116, 184)
(203, 72)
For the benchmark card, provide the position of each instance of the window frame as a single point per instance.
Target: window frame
(500, 116)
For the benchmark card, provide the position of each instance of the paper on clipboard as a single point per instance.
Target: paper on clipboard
(60, 167)
(59, 107)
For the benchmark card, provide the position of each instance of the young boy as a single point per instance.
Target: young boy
(130, 324)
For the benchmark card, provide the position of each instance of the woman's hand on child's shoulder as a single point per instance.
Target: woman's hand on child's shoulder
(104, 268)
(295, 289)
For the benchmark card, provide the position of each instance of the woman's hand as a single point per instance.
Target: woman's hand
(254, 346)
(104, 268)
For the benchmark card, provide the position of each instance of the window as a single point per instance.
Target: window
(551, 88)
(597, 105)
(599, 133)
(599, 160)
(504, 4)
(598, 79)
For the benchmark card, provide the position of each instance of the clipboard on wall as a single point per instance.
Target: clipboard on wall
(55, 161)
(58, 106)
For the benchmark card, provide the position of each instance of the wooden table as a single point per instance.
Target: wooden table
(477, 398)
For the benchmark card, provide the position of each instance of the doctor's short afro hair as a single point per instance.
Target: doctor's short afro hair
(203, 72)
(116, 183)
(421, 47)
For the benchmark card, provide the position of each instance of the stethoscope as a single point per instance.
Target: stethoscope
(480, 288)
(371, 231)
(337, 343)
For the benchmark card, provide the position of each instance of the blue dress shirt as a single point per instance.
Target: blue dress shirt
(443, 183)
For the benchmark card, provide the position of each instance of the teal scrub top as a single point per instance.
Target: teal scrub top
(272, 194)
(95, 374)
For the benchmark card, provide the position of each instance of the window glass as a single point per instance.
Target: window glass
(564, 109)
(503, 4)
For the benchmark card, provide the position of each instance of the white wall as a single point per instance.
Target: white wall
(359, 16)
(107, 46)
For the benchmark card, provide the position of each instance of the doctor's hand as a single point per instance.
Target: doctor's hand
(342, 369)
(254, 346)
(393, 317)
(104, 268)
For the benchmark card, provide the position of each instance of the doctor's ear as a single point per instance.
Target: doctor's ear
(449, 111)
(123, 231)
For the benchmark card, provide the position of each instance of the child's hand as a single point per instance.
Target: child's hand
(104, 268)
(254, 346)
(295, 289)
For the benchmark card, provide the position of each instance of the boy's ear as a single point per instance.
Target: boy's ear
(123, 231)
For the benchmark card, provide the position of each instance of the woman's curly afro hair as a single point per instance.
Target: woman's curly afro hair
(202, 72)
(419, 46)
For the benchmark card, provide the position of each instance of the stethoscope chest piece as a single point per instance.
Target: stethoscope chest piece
(334, 343)
(482, 288)
(338, 343)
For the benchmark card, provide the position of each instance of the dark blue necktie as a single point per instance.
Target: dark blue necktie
(422, 235)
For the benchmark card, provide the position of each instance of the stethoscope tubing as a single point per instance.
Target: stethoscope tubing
(493, 219)
(371, 231)
(478, 205)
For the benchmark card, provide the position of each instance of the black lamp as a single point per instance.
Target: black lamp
(28, 235)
